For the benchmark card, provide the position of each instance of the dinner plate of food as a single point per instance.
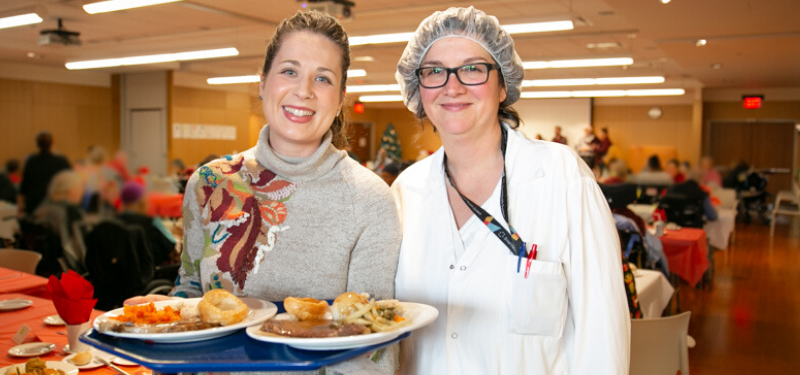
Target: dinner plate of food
(352, 321)
(36, 366)
(217, 314)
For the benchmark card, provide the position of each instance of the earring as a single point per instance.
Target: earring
(337, 112)
(261, 98)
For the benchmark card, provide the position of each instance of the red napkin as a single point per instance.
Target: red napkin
(72, 296)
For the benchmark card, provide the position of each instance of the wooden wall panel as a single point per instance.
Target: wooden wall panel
(211, 107)
(630, 127)
(77, 116)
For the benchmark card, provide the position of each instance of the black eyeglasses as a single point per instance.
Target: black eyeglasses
(469, 75)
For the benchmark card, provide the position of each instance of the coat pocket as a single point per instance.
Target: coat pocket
(536, 305)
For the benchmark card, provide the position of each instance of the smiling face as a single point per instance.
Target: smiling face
(456, 109)
(301, 92)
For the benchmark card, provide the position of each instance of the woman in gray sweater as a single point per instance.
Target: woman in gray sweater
(292, 216)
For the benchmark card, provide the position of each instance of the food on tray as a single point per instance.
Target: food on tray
(221, 307)
(305, 308)
(217, 308)
(82, 358)
(344, 305)
(313, 328)
(353, 314)
(147, 314)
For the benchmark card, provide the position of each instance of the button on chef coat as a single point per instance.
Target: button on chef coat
(492, 320)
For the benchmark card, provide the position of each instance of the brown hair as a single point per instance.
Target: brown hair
(329, 27)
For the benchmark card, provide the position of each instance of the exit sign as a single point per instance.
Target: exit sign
(752, 101)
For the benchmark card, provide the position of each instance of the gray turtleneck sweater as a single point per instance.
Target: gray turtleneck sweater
(266, 226)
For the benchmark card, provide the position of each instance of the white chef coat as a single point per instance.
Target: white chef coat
(570, 316)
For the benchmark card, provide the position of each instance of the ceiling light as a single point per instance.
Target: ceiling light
(363, 59)
(716, 66)
(577, 63)
(665, 1)
(591, 81)
(605, 45)
(700, 42)
(521, 28)
(115, 5)
(372, 88)
(256, 78)
(152, 59)
(234, 79)
(20, 20)
(538, 27)
(380, 98)
(600, 93)
(356, 73)
(380, 39)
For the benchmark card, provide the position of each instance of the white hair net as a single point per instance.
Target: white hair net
(469, 23)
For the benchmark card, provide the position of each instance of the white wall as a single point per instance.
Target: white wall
(542, 115)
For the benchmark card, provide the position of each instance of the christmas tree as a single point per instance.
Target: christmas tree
(391, 145)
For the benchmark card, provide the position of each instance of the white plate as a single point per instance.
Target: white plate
(14, 304)
(94, 363)
(33, 349)
(54, 320)
(259, 312)
(66, 367)
(123, 362)
(420, 315)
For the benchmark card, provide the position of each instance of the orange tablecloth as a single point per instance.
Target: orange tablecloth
(33, 317)
(12, 281)
(165, 205)
(687, 253)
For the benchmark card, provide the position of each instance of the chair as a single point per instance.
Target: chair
(682, 210)
(728, 201)
(649, 194)
(120, 264)
(618, 195)
(786, 203)
(20, 260)
(661, 346)
(46, 242)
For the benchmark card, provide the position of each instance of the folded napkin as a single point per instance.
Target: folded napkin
(72, 296)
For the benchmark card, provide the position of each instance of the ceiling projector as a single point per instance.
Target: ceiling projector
(340, 9)
(59, 36)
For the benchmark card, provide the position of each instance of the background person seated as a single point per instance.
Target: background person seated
(61, 213)
(652, 174)
(134, 212)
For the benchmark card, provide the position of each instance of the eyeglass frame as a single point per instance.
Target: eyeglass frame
(455, 71)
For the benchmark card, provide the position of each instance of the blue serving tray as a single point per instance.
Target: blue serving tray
(235, 352)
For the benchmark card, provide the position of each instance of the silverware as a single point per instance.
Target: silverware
(109, 364)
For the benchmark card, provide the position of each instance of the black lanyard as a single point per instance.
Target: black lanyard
(512, 239)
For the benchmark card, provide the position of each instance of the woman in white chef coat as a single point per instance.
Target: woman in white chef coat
(503, 308)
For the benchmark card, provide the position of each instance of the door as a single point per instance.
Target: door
(762, 145)
(147, 143)
(361, 140)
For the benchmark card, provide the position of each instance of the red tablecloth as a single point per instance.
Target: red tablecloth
(687, 253)
(12, 281)
(33, 317)
(165, 205)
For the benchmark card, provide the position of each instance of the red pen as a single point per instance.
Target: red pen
(531, 256)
